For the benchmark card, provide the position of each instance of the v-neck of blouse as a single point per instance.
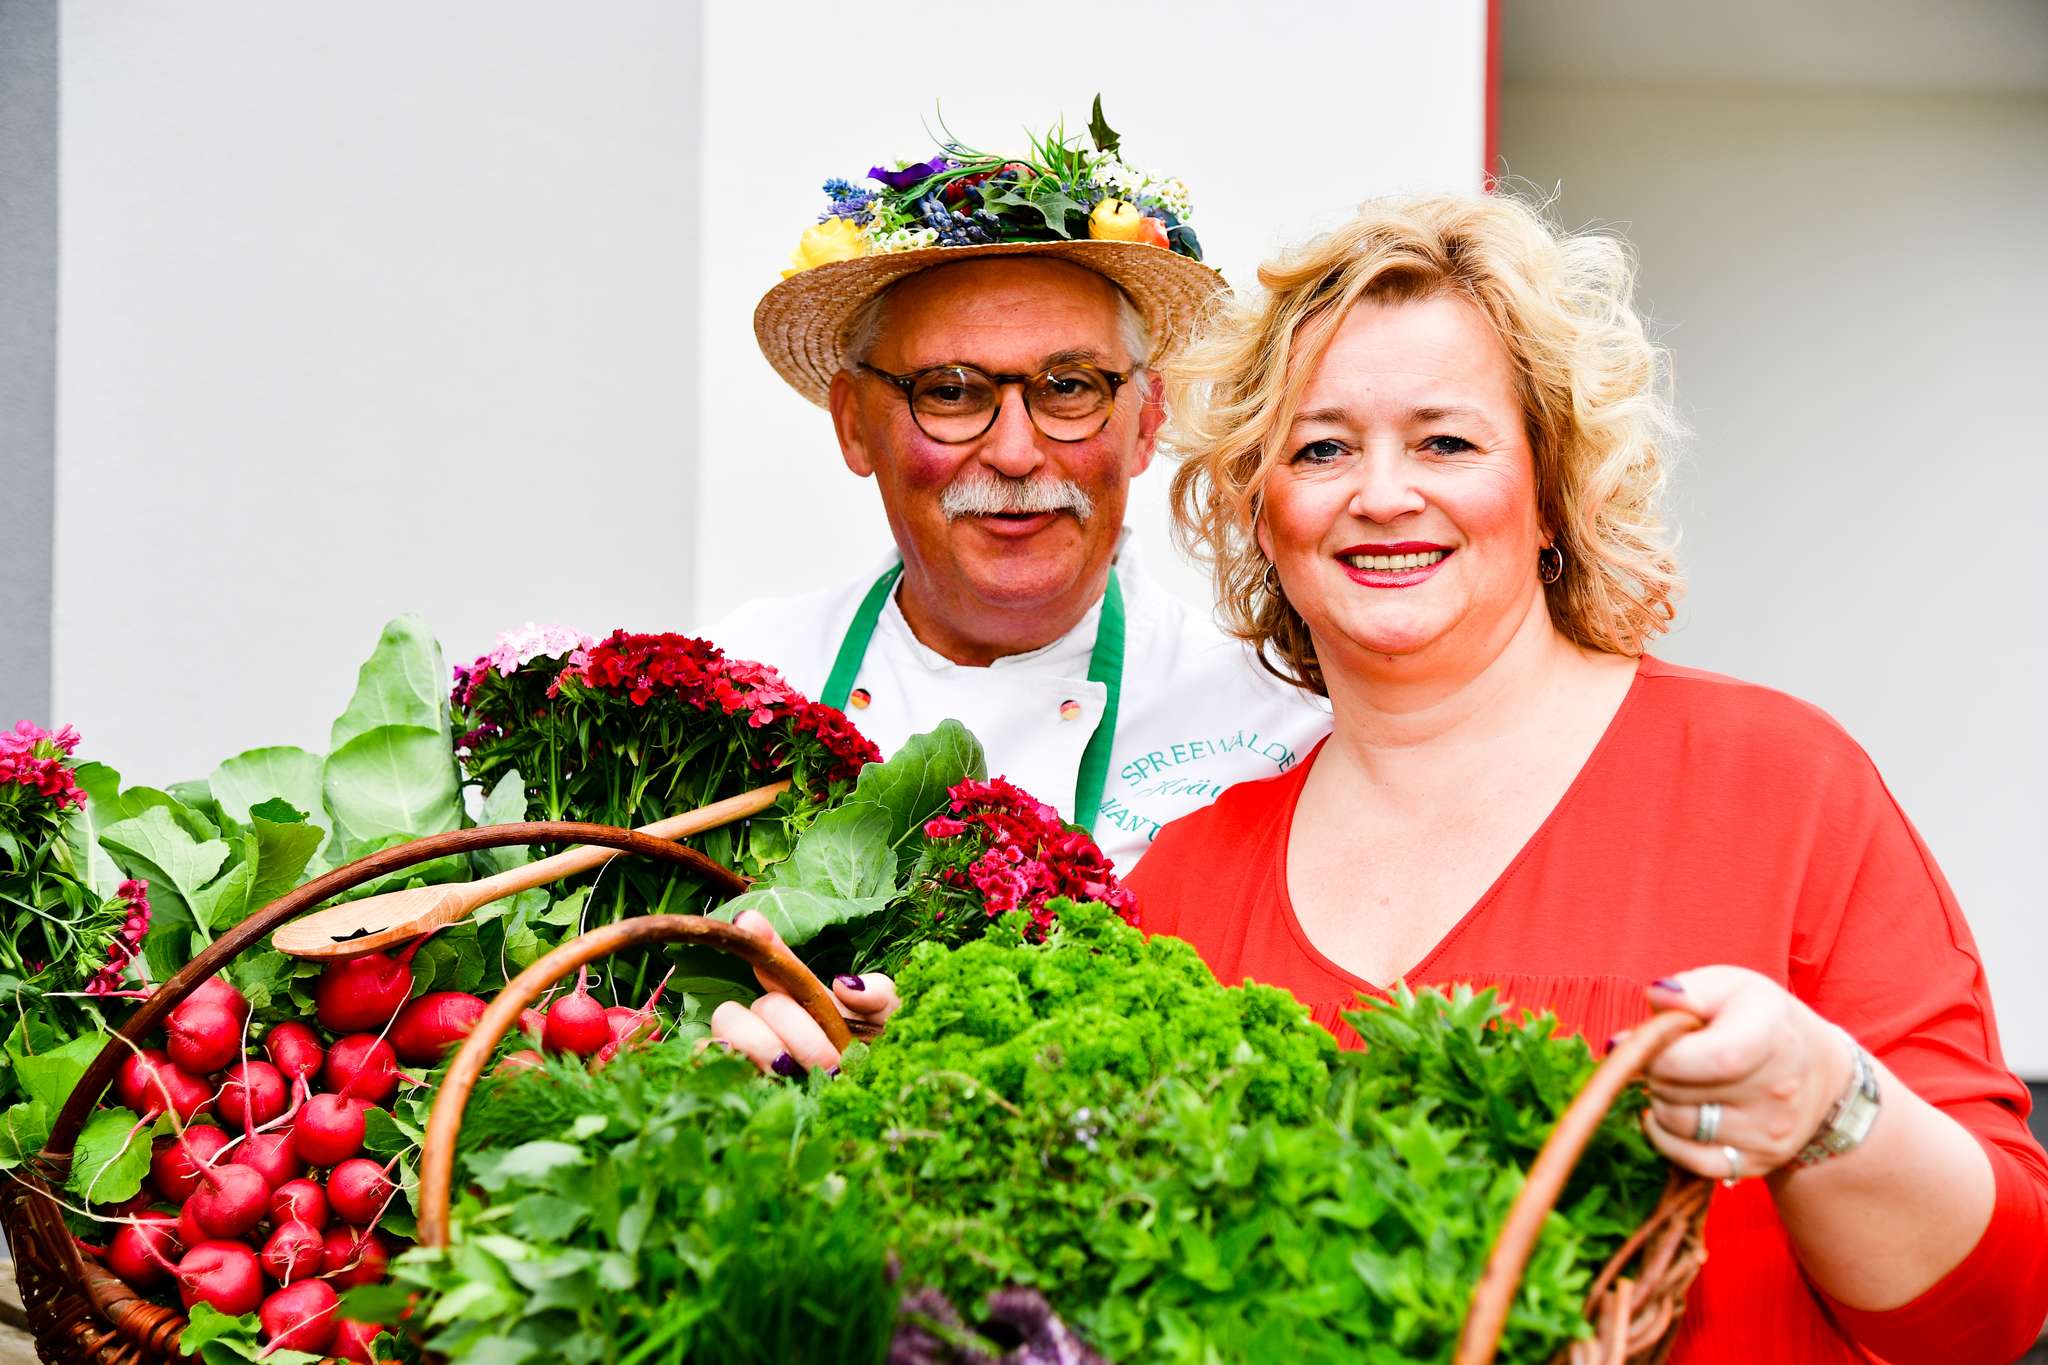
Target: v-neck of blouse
(1419, 973)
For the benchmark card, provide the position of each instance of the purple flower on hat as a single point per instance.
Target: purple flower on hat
(910, 175)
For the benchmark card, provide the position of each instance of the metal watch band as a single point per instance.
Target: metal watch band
(1850, 1120)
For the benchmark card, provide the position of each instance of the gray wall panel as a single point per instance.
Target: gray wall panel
(28, 336)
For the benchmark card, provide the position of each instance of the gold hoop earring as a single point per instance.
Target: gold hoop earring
(1550, 564)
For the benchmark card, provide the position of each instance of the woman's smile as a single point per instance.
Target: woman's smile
(1393, 566)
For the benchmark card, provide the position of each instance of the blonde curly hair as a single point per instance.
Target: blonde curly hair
(1594, 390)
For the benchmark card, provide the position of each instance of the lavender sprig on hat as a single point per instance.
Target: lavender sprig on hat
(1058, 190)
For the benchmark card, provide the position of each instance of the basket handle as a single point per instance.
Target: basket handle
(444, 1124)
(71, 1119)
(1487, 1315)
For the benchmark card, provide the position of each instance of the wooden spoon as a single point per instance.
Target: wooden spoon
(375, 922)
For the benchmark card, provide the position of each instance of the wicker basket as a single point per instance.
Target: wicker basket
(77, 1310)
(1635, 1316)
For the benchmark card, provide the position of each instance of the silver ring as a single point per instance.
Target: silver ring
(1709, 1125)
(1734, 1175)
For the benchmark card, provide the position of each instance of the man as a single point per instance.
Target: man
(1002, 394)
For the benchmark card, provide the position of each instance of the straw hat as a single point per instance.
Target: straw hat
(964, 205)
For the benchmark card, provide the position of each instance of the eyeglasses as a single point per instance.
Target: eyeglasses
(954, 404)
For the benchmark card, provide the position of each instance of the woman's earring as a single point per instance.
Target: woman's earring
(1271, 582)
(1550, 564)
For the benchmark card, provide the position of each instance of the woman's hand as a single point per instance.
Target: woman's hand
(776, 1033)
(1771, 1064)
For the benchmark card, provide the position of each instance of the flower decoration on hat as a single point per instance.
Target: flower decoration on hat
(1060, 190)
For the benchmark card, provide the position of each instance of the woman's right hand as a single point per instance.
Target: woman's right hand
(776, 1033)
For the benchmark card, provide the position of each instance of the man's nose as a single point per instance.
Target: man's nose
(1011, 445)
(1385, 489)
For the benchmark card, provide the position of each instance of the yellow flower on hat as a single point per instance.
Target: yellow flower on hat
(835, 239)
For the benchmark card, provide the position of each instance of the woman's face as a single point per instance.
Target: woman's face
(1402, 518)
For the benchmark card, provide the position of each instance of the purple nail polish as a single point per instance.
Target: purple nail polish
(852, 983)
(786, 1065)
(1612, 1039)
(832, 1072)
(1665, 983)
(721, 1044)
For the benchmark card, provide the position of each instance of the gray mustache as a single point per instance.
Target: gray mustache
(990, 494)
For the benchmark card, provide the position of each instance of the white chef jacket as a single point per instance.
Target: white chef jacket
(1196, 713)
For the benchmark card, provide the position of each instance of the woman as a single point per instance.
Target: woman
(1425, 463)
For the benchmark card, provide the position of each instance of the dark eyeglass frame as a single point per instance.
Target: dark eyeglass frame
(907, 383)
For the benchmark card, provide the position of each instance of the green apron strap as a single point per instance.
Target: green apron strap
(1105, 666)
(854, 648)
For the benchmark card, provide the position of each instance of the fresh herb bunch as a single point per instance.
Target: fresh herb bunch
(1191, 1173)
(636, 728)
(1030, 1104)
(670, 1207)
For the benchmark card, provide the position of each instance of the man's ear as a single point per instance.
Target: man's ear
(845, 406)
(1150, 416)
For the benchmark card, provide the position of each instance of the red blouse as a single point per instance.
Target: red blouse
(1715, 822)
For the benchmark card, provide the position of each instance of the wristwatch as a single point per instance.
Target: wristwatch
(1852, 1117)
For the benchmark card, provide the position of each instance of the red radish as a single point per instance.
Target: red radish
(216, 990)
(203, 1036)
(294, 1050)
(532, 1023)
(299, 1201)
(622, 1020)
(222, 1275)
(359, 993)
(271, 1155)
(576, 1022)
(362, 1067)
(293, 1252)
(330, 1129)
(141, 1250)
(631, 1027)
(177, 1162)
(252, 1095)
(148, 1084)
(526, 1059)
(357, 1190)
(229, 1201)
(352, 1341)
(429, 1026)
(352, 1257)
(300, 1317)
(190, 1234)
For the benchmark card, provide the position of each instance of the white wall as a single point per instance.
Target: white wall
(1854, 293)
(1280, 117)
(380, 307)
(365, 308)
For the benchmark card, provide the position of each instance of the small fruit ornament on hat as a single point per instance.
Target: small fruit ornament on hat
(1060, 191)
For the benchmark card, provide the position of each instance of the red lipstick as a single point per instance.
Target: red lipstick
(1394, 578)
(1400, 547)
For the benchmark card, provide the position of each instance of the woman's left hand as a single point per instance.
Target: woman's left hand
(1771, 1064)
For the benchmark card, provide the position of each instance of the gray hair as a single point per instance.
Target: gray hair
(864, 332)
